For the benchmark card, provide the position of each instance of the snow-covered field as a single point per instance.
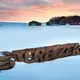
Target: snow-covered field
(19, 37)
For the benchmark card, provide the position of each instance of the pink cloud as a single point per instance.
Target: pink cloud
(41, 10)
(13, 1)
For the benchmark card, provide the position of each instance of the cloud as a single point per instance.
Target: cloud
(71, 1)
(22, 4)
(72, 5)
(41, 10)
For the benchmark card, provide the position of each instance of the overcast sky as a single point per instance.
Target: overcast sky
(41, 10)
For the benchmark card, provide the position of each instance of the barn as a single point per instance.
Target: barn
(34, 23)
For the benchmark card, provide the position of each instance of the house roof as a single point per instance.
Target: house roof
(34, 22)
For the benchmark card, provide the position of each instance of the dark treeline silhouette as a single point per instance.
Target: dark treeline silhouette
(63, 20)
(70, 20)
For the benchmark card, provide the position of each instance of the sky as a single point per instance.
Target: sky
(38, 10)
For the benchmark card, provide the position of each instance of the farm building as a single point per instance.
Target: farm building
(34, 23)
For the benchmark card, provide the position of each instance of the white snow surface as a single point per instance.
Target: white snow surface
(60, 69)
(21, 37)
(12, 59)
(1, 54)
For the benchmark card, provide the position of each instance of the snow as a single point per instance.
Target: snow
(1, 54)
(14, 37)
(12, 59)
(60, 69)
(21, 37)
